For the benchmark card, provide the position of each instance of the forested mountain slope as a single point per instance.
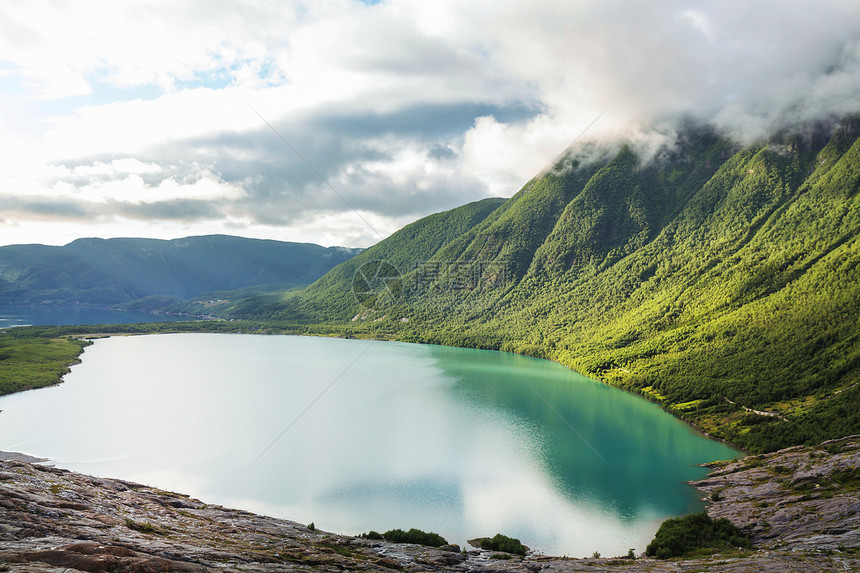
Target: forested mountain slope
(113, 271)
(331, 297)
(717, 279)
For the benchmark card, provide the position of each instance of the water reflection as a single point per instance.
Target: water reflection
(359, 435)
(595, 442)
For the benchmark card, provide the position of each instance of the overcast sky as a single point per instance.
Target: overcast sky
(173, 118)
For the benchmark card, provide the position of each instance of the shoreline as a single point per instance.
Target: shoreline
(736, 506)
(54, 519)
(682, 490)
(695, 427)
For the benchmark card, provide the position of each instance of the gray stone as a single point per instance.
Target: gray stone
(55, 520)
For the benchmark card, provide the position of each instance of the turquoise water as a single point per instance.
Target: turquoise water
(358, 435)
(14, 315)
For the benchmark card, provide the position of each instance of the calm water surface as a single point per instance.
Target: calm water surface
(359, 435)
(14, 315)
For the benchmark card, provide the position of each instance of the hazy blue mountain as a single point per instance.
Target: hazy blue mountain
(114, 271)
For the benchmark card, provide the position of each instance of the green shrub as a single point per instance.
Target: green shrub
(416, 536)
(372, 535)
(504, 543)
(695, 534)
(631, 553)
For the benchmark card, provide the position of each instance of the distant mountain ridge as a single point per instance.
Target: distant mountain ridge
(117, 271)
(720, 280)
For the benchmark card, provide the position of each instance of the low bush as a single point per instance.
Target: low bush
(695, 534)
(504, 543)
(375, 535)
(416, 536)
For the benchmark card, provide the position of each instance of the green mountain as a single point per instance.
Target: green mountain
(331, 298)
(116, 271)
(721, 281)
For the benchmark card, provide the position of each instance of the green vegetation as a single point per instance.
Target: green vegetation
(27, 363)
(504, 543)
(375, 535)
(720, 282)
(415, 536)
(331, 299)
(695, 535)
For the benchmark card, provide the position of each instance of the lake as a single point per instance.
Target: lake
(357, 435)
(14, 315)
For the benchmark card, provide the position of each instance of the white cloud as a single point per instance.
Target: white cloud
(133, 126)
(405, 107)
(131, 188)
(500, 154)
(128, 165)
(61, 48)
(700, 21)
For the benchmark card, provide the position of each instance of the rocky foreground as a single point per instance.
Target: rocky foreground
(800, 506)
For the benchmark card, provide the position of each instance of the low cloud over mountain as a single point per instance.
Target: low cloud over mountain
(339, 121)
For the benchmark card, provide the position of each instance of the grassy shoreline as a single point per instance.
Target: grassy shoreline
(714, 418)
(78, 337)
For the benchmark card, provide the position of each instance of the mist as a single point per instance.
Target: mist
(405, 107)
